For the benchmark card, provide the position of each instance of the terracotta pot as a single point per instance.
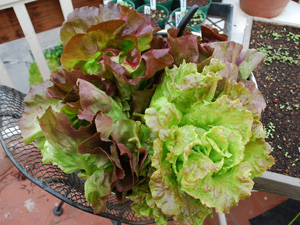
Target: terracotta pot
(263, 8)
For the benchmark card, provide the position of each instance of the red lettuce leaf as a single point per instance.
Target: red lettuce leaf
(210, 34)
(110, 26)
(156, 60)
(92, 100)
(37, 101)
(65, 83)
(89, 46)
(184, 47)
(119, 155)
(60, 133)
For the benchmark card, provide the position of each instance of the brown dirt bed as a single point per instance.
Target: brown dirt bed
(278, 79)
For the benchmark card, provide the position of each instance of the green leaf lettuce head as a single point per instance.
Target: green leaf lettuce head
(209, 144)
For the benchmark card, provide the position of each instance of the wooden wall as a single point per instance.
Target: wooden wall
(44, 14)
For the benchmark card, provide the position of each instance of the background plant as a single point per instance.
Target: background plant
(52, 56)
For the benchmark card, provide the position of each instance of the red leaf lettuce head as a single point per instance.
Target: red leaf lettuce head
(89, 31)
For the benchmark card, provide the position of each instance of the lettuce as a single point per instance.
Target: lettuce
(78, 127)
(209, 145)
(113, 40)
(172, 123)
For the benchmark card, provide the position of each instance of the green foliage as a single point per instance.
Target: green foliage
(53, 59)
(35, 76)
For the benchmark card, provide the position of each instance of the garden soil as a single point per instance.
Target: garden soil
(278, 79)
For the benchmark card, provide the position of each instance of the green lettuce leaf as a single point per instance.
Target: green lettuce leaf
(249, 62)
(168, 195)
(187, 85)
(98, 186)
(213, 193)
(69, 162)
(144, 204)
(222, 112)
(257, 154)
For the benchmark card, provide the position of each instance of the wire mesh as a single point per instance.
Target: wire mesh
(220, 16)
(28, 159)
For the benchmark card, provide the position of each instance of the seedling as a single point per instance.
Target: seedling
(197, 18)
(276, 35)
(125, 4)
(270, 130)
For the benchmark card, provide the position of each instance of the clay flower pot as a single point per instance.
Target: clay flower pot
(263, 8)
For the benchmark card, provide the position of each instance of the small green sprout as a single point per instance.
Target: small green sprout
(276, 35)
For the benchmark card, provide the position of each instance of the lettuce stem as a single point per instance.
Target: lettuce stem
(85, 165)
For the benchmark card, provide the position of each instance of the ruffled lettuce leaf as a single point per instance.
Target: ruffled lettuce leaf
(59, 132)
(257, 153)
(187, 85)
(213, 193)
(222, 112)
(80, 20)
(144, 204)
(69, 162)
(37, 101)
(109, 28)
(168, 195)
(230, 53)
(184, 47)
(112, 42)
(249, 61)
(210, 34)
(83, 129)
(98, 186)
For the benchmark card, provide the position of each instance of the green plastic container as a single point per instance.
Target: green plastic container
(205, 8)
(127, 1)
(167, 4)
(161, 23)
(196, 28)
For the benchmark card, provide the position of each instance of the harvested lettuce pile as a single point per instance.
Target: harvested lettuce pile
(170, 122)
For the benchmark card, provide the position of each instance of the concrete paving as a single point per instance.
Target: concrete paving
(17, 57)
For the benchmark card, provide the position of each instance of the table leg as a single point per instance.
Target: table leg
(58, 210)
(116, 222)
